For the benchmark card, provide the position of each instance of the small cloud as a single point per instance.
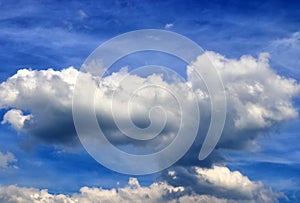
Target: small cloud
(16, 118)
(82, 14)
(7, 160)
(169, 25)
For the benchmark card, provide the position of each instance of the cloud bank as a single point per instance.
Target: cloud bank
(223, 181)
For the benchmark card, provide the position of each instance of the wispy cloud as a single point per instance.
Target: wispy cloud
(285, 53)
(82, 14)
(7, 160)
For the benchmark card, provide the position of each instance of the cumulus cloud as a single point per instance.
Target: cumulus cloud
(47, 95)
(220, 178)
(258, 99)
(257, 95)
(220, 182)
(7, 160)
(40, 104)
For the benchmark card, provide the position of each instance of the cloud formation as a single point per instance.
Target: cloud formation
(258, 99)
(257, 95)
(220, 182)
(223, 181)
(47, 95)
(39, 103)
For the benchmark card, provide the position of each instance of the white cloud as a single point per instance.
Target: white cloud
(169, 25)
(256, 95)
(157, 192)
(222, 177)
(7, 160)
(47, 94)
(258, 99)
(16, 118)
(219, 182)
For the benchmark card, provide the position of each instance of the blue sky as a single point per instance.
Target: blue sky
(57, 34)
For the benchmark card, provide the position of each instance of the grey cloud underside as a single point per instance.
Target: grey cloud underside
(63, 132)
(257, 100)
